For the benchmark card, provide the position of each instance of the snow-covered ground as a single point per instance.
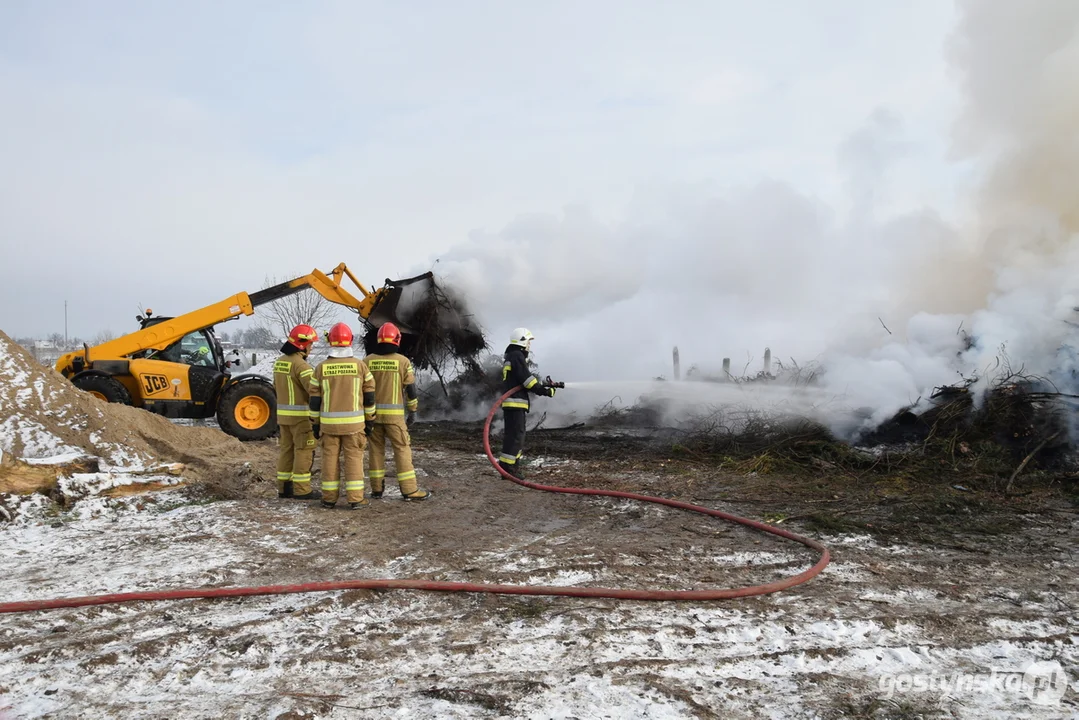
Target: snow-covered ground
(846, 645)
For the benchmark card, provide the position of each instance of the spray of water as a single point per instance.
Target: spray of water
(675, 403)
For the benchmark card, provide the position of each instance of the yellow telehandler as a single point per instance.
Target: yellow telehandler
(175, 366)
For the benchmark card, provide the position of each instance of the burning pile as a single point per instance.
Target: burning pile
(441, 335)
(1020, 414)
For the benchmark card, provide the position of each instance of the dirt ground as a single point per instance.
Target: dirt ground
(924, 582)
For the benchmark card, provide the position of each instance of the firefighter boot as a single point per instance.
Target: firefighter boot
(419, 494)
(513, 469)
(376, 463)
(359, 505)
(285, 490)
(378, 480)
(313, 495)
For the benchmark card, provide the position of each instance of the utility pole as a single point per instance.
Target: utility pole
(65, 324)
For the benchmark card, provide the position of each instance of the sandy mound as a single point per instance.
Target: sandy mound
(44, 415)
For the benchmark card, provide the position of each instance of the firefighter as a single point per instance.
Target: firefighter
(342, 403)
(514, 408)
(292, 380)
(395, 393)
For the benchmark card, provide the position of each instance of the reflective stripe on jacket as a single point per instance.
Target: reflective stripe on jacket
(291, 381)
(515, 372)
(393, 373)
(347, 389)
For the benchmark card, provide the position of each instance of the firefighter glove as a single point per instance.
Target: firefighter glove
(368, 427)
(548, 391)
(317, 429)
(409, 419)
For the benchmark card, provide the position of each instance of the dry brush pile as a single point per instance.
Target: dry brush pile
(984, 434)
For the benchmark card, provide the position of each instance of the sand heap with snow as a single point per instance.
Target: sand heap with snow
(43, 415)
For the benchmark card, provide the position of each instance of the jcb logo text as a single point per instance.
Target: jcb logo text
(154, 383)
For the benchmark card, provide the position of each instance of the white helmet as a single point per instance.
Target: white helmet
(522, 337)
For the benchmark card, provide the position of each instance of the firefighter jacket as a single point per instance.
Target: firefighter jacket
(395, 384)
(515, 372)
(342, 394)
(291, 381)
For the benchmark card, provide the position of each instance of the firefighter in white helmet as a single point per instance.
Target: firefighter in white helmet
(515, 372)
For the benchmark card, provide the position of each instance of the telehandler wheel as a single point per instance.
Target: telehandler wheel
(246, 410)
(104, 388)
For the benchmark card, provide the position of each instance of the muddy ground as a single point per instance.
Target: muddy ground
(926, 579)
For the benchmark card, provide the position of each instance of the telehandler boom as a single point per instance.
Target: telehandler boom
(175, 366)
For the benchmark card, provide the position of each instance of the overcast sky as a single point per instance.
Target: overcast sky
(171, 154)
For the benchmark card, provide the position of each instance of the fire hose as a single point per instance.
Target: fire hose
(444, 586)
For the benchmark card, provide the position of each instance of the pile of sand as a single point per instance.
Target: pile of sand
(43, 415)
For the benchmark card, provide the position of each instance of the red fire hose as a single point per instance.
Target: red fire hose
(440, 586)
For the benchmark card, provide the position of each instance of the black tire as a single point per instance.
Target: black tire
(104, 387)
(255, 397)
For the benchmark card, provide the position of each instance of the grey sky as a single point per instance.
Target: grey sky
(171, 154)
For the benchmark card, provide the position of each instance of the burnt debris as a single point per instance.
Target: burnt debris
(439, 333)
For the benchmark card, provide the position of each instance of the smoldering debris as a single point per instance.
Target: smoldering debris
(1019, 413)
(986, 432)
(467, 395)
(440, 334)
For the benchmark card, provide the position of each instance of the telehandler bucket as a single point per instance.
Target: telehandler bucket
(399, 301)
(435, 325)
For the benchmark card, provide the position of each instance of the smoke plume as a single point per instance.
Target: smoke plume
(889, 306)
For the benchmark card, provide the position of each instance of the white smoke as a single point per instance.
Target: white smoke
(884, 304)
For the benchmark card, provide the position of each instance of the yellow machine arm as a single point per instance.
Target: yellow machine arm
(164, 333)
(326, 285)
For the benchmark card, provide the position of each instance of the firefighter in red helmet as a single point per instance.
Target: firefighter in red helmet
(395, 400)
(292, 381)
(342, 403)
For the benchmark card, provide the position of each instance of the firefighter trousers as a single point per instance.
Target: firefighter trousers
(350, 449)
(296, 454)
(513, 438)
(399, 439)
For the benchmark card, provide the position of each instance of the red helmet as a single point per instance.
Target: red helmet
(303, 336)
(340, 335)
(389, 333)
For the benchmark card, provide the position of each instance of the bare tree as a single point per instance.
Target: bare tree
(260, 336)
(306, 307)
(103, 337)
